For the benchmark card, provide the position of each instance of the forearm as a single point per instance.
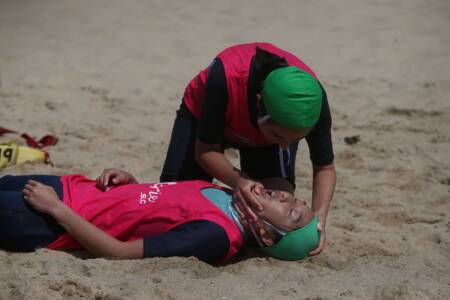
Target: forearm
(217, 165)
(324, 182)
(92, 238)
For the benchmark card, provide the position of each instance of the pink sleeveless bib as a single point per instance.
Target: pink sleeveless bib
(236, 61)
(133, 211)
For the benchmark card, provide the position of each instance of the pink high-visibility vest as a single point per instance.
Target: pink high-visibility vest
(236, 61)
(134, 211)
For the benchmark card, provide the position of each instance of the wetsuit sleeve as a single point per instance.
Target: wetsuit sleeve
(212, 119)
(203, 239)
(319, 139)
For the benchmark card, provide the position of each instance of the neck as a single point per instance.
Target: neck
(250, 235)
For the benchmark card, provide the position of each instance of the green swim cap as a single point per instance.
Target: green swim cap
(296, 244)
(292, 97)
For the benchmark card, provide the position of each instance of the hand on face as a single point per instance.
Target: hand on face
(245, 200)
(42, 197)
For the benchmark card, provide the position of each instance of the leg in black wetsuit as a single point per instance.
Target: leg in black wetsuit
(23, 228)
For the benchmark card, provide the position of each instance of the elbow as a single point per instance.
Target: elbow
(205, 154)
(327, 171)
(112, 252)
(130, 250)
(120, 250)
(125, 250)
(200, 158)
(201, 151)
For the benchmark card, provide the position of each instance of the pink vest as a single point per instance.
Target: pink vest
(133, 211)
(236, 61)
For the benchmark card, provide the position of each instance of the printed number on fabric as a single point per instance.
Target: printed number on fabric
(153, 194)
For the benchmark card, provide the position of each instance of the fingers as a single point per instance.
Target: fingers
(322, 240)
(102, 181)
(31, 185)
(26, 193)
(98, 181)
(259, 185)
(319, 248)
(319, 227)
(247, 212)
(250, 203)
(105, 178)
(240, 205)
(251, 214)
(30, 188)
(250, 199)
(118, 178)
(32, 182)
(112, 177)
(239, 209)
(28, 196)
(244, 194)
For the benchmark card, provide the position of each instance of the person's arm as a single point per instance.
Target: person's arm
(211, 127)
(213, 161)
(324, 175)
(324, 182)
(44, 199)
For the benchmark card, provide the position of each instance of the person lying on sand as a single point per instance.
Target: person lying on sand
(115, 216)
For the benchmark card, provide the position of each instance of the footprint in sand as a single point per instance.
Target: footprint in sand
(399, 218)
(350, 159)
(347, 226)
(102, 94)
(445, 181)
(409, 112)
(95, 90)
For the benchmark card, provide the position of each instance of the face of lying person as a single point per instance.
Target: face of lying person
(282, 209)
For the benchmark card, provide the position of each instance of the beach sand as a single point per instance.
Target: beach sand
(106, 78)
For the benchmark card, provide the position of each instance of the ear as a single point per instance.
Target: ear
(264, 235)
(267, 241)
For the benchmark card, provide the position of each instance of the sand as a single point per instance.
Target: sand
(106, 77)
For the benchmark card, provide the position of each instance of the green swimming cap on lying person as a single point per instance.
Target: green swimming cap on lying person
(296, 244)
(292, 97)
